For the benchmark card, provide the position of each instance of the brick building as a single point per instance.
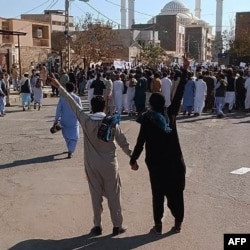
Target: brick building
(242, 26)
(242, 39)
(34, 46)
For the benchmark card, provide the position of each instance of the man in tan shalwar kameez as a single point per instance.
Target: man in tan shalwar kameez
(100, 160)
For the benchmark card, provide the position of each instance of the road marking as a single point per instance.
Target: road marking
(240, 171)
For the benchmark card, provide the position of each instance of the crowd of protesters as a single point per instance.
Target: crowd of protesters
(126, 91)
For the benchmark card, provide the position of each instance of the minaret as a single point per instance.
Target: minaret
(198, 8)
(131, 13)
(219, 15)
(123, 14)
(218, 28)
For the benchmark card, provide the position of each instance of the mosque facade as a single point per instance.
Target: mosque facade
(177, 31)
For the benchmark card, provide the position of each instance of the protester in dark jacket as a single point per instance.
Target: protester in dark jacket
(164, 158)
(98, 86)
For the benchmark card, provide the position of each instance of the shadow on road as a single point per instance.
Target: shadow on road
(42, 159)
(9, 111)
(87, 242)
(210, 116)
(242, 122)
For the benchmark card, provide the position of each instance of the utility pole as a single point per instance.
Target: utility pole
(67, 34)
(153, 31)
(67, 49)
(199, 51)
(19, 57)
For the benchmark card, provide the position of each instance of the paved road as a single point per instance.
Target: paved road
(45, 202)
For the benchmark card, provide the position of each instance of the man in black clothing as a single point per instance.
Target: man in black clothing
(98, 86)
(140, 92)
(230, 91)
(164, 158)
(209, 101)
(240, 91)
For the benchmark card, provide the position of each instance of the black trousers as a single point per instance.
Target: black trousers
(55, 91)
(240, 102)
(175, 199)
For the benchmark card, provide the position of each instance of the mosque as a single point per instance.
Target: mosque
(176, 29)
(180, 9)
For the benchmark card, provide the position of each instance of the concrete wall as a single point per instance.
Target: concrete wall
(33, 54)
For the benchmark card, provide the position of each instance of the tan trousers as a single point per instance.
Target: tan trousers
(105, 183)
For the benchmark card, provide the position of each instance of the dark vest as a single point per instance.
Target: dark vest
(3, 87)
(230, 86)
(25, 87)
(221, 91)
(240, 88)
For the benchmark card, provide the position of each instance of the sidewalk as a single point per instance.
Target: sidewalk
(15, 98)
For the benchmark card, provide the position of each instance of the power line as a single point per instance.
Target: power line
(214, 14)
(100, 13)
(53, 3)
(142, 13)
(34, 8)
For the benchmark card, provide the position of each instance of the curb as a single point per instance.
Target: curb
(15, 97)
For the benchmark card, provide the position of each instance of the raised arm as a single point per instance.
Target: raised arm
(77, 109)
(174, 108)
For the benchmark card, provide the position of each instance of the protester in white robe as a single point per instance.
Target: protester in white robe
(247, 87)
(90, 91)
(108, 94)
(44, 73)
(38, 93)
(200, 95)
(68, 120)
(118, 94)
(131, 83)
(15, 77)
(166, 85)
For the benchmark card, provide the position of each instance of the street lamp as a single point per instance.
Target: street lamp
(67, 33)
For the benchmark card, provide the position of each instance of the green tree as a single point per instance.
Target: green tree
(151, 55)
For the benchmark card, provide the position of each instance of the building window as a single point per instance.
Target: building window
(39, 33)
(57, 23)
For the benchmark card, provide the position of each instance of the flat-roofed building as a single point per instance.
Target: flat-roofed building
(34, 46)
(55, 18)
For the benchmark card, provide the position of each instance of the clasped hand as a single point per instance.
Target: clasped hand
(134, 166)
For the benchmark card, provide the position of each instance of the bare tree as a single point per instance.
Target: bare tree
(93, 41)
(236, 44)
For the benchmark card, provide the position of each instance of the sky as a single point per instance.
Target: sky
(104, 9)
